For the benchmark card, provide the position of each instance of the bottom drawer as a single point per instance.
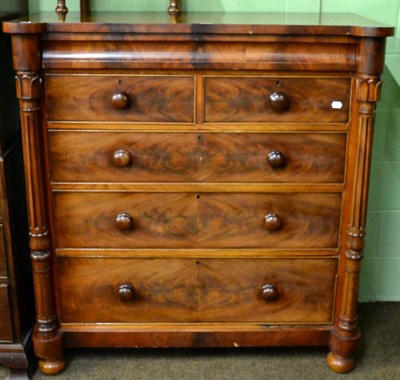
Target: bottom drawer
(287, 290)
(6, 333)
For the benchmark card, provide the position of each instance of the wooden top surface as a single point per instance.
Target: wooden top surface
(201, 23)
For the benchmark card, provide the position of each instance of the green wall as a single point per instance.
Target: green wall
(380, 278)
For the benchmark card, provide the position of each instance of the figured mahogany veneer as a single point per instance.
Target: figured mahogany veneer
(187, 220)
(272, 100)
(196, 290)
(141, 99)
(198, 180)
(195, 157)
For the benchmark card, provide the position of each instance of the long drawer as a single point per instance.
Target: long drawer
(276, 99)
(194, 220)
(197, 157)
(141, 99)
(110, 290)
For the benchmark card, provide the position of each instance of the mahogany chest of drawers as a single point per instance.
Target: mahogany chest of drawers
(196, 184)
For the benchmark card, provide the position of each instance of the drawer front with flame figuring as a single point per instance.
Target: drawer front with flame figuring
(170, 290)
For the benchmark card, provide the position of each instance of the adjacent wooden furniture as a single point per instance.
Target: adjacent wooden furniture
(174, 8)
(16, 289)
(197, 184)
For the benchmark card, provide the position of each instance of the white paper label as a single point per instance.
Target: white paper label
(337, 105)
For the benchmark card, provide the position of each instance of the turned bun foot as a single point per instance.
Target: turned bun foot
(340, 364)
(52, 367)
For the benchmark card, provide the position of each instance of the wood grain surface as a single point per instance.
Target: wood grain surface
(196, 220)
(246, 99)
(3, 265)
(190, 290)
(182, 52)
(202, 24)
(197, 157)
(6, 330)
(152, 99)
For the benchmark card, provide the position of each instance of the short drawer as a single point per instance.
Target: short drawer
(196, 220)
(197, 157)
(287, 291)
(276, 100)
(140, 99)
(6, 333)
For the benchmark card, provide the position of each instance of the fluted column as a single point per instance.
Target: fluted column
(344, 338)
(47, 338)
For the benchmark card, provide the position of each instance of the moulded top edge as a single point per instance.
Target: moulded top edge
(201, 23)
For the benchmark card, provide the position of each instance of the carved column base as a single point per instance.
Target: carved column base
(341, 359)
(49, 350)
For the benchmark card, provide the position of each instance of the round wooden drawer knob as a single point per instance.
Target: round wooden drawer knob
(121, 158)
(279, 102)
(273, 222)
(119, 100)
(276, 160)
(126, 292)
(269, 292)
(124, 221)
